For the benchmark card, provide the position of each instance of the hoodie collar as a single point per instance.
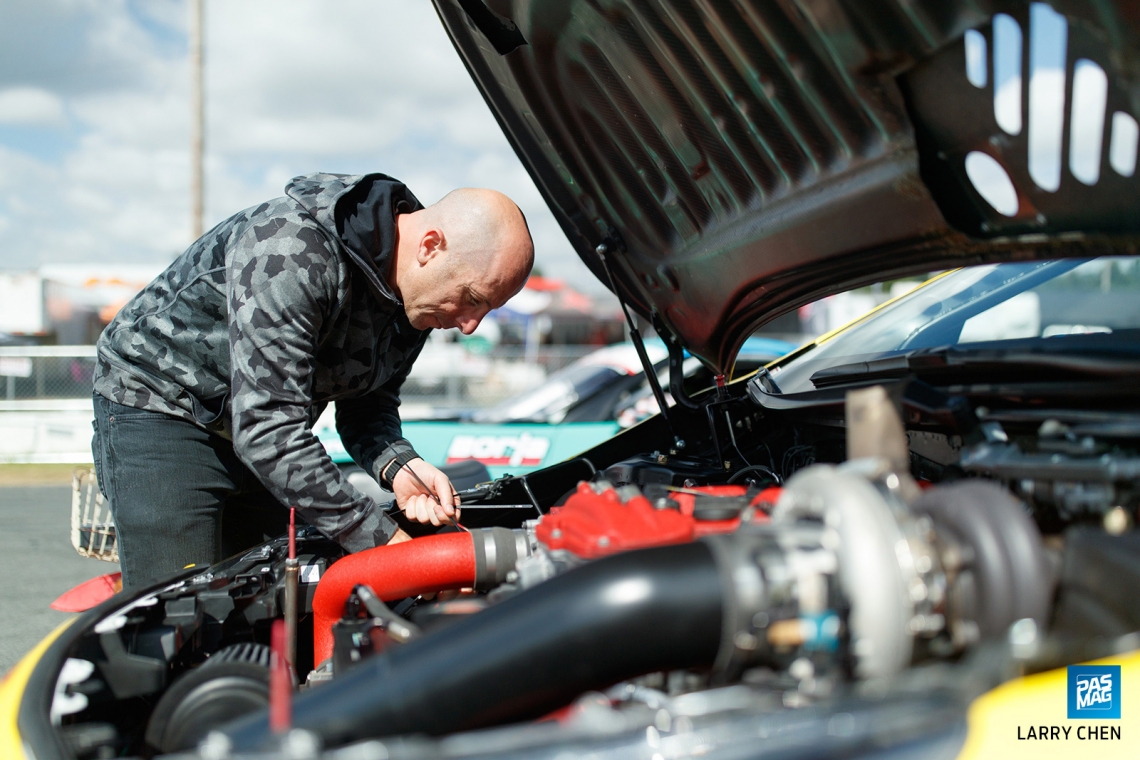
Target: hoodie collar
(360, 212)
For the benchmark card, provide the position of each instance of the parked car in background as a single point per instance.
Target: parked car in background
(574, 409)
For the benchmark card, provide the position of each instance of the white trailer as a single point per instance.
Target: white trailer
(22, 305)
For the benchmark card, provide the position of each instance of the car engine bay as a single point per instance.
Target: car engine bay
(860, 563)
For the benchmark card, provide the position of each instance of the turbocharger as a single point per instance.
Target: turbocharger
(851, 569)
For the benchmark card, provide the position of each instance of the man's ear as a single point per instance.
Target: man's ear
(432, 244)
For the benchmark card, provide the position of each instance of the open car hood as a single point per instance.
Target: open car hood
(735, 159)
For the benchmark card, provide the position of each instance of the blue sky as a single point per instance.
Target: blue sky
(94, 120)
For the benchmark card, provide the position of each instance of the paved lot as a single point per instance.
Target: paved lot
(37, 564)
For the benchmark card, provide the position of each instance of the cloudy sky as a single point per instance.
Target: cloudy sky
(94, 119)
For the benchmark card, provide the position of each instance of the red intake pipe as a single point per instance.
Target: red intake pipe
(432, 563)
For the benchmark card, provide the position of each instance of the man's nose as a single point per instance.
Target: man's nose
(467, 325)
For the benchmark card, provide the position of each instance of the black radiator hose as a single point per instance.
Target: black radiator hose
(619, 617)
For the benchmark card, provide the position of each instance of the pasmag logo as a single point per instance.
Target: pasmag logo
(1094, 692)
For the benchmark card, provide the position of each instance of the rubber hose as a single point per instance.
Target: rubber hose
(394, 571)
(622, 616)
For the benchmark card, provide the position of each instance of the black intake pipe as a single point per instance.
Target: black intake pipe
(619, 617)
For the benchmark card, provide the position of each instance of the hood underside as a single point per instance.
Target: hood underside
(740, 158)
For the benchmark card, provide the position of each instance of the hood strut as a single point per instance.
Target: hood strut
(676, 364)
(639, 344)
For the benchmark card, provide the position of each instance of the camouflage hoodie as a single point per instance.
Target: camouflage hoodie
(269, 316)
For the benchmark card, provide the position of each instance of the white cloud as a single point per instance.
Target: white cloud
(30, 106)
(349, 86)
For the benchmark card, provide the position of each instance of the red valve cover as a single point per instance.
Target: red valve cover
(592, 525)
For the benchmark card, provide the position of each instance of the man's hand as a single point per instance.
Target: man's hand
(417, 502)
(398, 538)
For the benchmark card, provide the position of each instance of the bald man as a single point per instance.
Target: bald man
(208, 383)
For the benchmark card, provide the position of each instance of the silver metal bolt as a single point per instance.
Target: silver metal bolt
(745, 641)
(299, 744)
(1117, 521)
(1023, 638)
(801, 668)
(216, 746)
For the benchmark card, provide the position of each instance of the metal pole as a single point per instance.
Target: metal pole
(197, 120)
(292, 568)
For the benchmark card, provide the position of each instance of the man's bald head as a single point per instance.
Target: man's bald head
(484, 228)
(461, 257)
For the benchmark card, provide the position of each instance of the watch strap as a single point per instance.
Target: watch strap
(401, 452)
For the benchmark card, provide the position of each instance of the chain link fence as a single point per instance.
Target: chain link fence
(46, 372)
(30, 373)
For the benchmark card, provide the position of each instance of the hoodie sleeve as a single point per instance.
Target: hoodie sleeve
(369, 426)
(281, 287)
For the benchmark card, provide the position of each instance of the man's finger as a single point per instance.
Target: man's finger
(445, 493)
(416, 511)
(444, 518)
(425, 510)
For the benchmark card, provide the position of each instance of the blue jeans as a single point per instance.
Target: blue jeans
(179, 494)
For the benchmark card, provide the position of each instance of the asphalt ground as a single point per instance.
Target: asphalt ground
(37, 564)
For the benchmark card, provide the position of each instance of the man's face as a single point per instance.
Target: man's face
(452, 294)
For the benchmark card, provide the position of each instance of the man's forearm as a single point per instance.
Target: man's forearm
(277, 445)
(369, 428)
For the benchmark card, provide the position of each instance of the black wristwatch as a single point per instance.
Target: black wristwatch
(403, 453)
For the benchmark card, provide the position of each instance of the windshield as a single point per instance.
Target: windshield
(999, 302)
